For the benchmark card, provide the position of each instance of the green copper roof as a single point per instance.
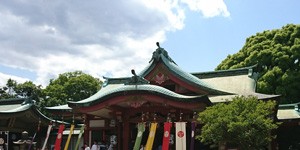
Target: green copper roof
(288, 111)
(226, 98)
(295, 106)
(18, 109)
(134, 80)
(65, 108)
(115, 80)
(122, 89)
(225, 73)
(10, 107)
(137, 84)
(172, 66)
(15, 105)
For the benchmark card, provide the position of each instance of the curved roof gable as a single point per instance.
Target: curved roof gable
(115, 89)
(161, 56)
(12, 107)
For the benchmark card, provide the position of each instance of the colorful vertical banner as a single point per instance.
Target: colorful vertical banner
(151, 136)
(180, 132)
(69, 137)
(166, 138)
(59, 137)
(47, 136)
(79, 136)
(193, 126)
(29, 148)
(38, 129)
(138, 140)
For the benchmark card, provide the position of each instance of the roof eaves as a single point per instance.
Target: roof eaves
(61, 108)
(147, 69)
(191, 78)
(12, 101)
(114, 80)
(153, 89)
(29, 107)
(22, 108)
(222, 73)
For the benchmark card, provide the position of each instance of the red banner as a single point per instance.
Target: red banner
(166, 138)
(59, 137)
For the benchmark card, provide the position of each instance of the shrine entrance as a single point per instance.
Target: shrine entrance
(160, 133)
(160, 115)
(105, 132)
(103, 137)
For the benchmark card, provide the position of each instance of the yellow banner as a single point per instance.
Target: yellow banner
(151, 136)
(69, 137)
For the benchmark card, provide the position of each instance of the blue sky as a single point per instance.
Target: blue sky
(205, 42)
(42, 39)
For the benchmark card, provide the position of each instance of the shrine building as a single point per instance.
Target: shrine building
(19, 116)
(161, 92)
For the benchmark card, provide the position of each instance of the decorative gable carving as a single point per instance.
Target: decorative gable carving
(160, 78)
(159, 75)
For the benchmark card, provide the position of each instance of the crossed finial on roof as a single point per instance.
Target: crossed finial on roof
(157, 43)
(157, 54)
(135, 79)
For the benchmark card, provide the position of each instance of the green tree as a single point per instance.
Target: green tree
(277, 55)
(244, 122)
(70, 86)
(11, 85)
(7, 91)
(28, 89)
(4, 94)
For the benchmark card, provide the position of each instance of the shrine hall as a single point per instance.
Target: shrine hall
(161, 92)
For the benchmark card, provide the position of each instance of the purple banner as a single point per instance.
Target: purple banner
(193, 125)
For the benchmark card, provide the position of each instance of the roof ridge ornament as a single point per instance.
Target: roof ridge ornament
(136, 80)
(28, 100)
(156, 55)
(157, 43)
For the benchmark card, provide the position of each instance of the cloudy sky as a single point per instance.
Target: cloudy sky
(40, 39)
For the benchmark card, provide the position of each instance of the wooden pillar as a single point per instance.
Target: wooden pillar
(120, 141)
(125, 133)
(86, 129)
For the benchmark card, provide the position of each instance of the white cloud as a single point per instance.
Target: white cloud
(209, 8)
(171, 8)
(98, 37)
(5, 77)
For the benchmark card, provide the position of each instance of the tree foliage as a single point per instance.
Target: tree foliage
(8, 90)
(277, 55)
(244, 122)
(4, 94)
(19, 90)
(70, 86)
(29, 89)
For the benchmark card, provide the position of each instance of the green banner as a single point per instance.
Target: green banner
(79, 137)
(138, 140)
